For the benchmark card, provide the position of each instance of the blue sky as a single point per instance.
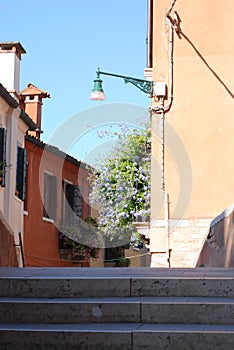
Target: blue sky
(67, 40)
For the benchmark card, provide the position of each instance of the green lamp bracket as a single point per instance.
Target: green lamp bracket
(144, 85)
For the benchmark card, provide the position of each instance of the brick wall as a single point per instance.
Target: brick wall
(200, 243)
(186, 240)
(7, 249)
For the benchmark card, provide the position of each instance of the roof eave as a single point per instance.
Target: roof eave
(7, 97)
(28, 121)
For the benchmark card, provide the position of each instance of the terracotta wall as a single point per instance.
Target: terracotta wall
(7, 249)
(218, 250)
(41, 236)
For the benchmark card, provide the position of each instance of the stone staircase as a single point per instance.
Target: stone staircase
(116, 308)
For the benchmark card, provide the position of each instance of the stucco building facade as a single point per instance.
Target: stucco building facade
(14, 123)
(39, 184)
(57, 187)
(190, 51)
(51, 175)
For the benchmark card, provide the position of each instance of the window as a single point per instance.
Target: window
(50, 196)
(2, 157)
(21, 173)
(72, 203)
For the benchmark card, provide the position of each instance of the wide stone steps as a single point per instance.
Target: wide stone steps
(83, 308)
(117, 310)
(116, 336)
(115, 282)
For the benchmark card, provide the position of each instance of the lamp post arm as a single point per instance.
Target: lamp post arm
(144, 85)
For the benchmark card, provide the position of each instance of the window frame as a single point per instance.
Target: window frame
(69, 195)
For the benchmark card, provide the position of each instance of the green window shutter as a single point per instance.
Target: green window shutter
(21, 173)
(3, 157)
(77, 202)
(69, 202)
(72, 203)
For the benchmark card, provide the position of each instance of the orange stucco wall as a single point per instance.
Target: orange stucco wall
(203, 105)
(40, 236)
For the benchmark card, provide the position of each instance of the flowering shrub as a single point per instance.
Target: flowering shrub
(121, 187)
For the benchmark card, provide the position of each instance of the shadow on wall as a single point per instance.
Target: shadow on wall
(218, 249)
(7, 252)
(176, 22)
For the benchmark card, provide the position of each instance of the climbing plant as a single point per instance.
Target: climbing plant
(121, 185)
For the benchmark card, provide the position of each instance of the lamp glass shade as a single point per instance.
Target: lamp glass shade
(97, 92)
(97, 95)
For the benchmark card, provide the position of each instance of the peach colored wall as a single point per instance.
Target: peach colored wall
(203, 107)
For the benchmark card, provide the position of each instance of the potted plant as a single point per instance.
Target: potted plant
(123, 262)
(3, 166)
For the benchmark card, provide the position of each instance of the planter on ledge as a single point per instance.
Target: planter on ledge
(68, 254)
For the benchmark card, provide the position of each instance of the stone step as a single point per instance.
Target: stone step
(183, 337)
(69, 310)
(83, 308)
(114, 282)
(116, 310)
(116, 337)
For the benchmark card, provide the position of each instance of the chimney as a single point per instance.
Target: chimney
(10, 56)
(31, 102)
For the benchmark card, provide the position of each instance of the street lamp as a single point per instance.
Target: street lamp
(147, 86)
(158, 92)
(97, 93)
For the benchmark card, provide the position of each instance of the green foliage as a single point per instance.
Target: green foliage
(3, 166)
(80, 238)
(123, 262)
(121, 188)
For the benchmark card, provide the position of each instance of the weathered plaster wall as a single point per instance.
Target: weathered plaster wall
(7, 249)
(218, 249)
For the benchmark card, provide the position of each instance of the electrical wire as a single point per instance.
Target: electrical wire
(33, 257)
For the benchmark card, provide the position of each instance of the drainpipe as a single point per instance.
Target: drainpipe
(167, 226)
(162, 109)
(159, 108)
(150, 34)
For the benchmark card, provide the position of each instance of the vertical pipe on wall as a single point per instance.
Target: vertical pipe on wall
(150, 35)
(167, 226)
